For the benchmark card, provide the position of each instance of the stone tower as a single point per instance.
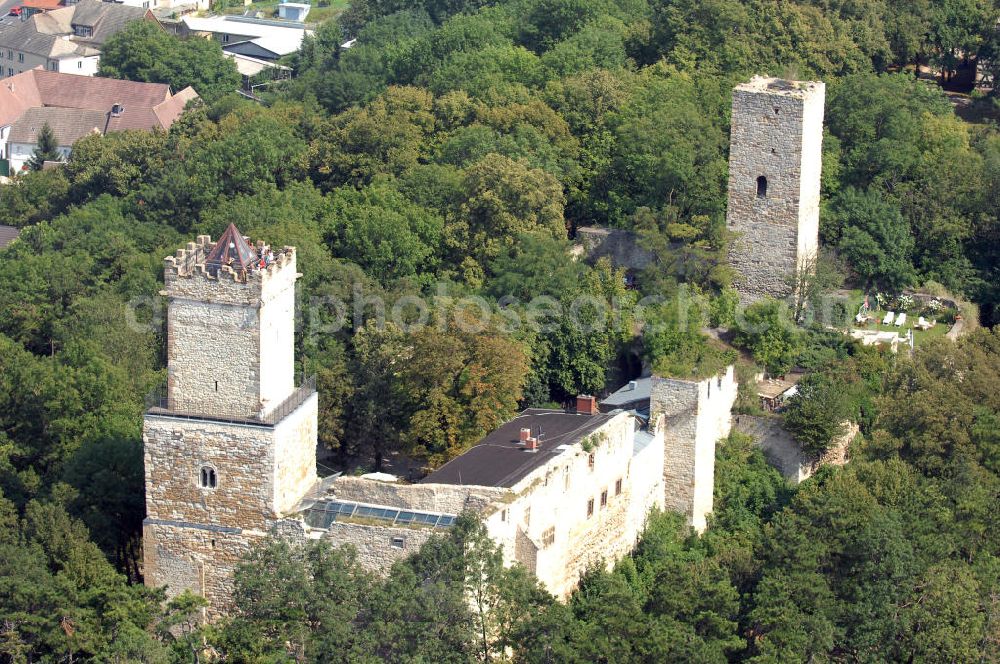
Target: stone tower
(696, 414)
(775, 157)
(230, 443)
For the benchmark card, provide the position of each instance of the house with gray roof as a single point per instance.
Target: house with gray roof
(66, 40)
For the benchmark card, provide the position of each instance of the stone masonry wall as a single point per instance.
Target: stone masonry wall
(777, 131)
(201, 559)
(445, 498)
(295, 439)
(242, 456)
(695, 416)
(623, 248)
(378, 547)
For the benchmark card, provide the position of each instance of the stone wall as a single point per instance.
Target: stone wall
(784, 452)
(184, 556)
(378, 547)
(295, 439)
(243, 459)
(779, 447)
(623, 248)
(445, 498)
(777, 133)
(695, 415)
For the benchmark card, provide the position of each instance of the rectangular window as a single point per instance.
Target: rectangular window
(503, 515)
(398, 543)
(10, 55)
(604, 498)
(618, 487)
(548, 537)
(590, 461)
(20, 57)
(79, 64)
(527, 516)
(566, 478)
(590, 508)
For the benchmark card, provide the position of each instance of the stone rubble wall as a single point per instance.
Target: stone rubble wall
(623, 248)
(784, 452)
(374, 544)
(777, 444)
(202, 560)
(778, 136)
(212, 351)
(444, 498)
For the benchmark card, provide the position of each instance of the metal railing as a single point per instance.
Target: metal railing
(158, 402)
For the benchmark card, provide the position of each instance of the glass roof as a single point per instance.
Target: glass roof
(326, 512)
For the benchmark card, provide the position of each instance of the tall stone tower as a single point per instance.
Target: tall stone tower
(775, 158)
(230, 443)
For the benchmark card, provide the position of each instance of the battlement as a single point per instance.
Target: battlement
(188, 273)
(781, 87)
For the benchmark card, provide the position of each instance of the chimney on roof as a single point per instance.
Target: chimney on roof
(632, 385)
(525, 434)
(531, 444)
(586, 405)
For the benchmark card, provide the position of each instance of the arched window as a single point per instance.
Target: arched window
(761, 186)
(208, 479)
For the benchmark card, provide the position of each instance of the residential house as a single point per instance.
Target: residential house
(262, 39)
(65, 39)
(74, 106)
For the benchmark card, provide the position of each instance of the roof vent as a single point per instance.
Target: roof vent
(117, 110)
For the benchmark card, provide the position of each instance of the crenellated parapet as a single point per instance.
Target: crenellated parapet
(187, 275)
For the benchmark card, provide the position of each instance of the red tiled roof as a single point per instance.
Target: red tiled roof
(171, 109)
(67, 124)
(42, 4)
(17, 94)
(144, 105)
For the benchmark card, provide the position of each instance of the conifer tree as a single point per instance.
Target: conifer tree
(47, 149)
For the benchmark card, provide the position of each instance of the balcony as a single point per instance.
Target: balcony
(158, 403)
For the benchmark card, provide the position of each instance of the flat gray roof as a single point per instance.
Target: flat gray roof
(629, 394)
(499, 460)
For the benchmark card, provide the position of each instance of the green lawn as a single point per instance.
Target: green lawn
(317, 14)
(919, 336)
